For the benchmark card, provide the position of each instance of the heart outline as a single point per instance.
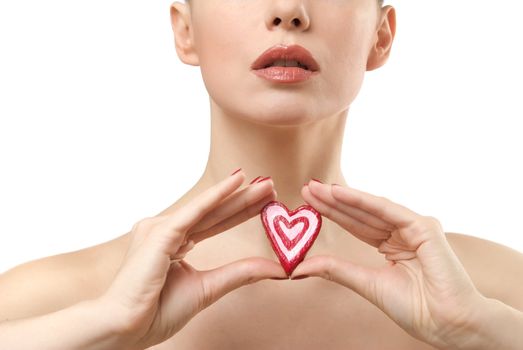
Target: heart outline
(288, 243)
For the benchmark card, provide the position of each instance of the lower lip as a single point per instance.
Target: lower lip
(284, 74)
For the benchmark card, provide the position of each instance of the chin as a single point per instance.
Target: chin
(282, 117)
(272, 109)
(281, 111)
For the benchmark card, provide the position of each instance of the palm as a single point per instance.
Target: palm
(400, 292)
(182, 296)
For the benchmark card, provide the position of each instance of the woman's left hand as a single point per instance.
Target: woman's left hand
(423, 288)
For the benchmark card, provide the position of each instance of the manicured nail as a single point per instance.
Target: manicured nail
(254, 180)
(265, 178)
(317, 180)
(300, 277)
(236, 171)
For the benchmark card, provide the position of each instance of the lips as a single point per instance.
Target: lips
(288, 53)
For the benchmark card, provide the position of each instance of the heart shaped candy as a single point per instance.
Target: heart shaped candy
(291, 233)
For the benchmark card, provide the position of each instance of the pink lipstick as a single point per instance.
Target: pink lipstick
(285, 64)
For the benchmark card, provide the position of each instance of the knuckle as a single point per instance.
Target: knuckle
(432, 222)
(142, 224)
(418, 225)
(248, 270)
(328, 267)
(384, 204)
(424, 227)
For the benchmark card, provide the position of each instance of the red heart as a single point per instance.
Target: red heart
(292, 241)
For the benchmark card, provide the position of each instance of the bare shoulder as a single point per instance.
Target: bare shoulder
(494, 268)
(52, 283)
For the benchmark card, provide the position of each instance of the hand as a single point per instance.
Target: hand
(155, 292)
(423, 287)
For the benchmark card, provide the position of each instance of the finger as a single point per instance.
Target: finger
(180, 254)
(222, 280)
(381, 207)
(323, 192)
(189, 214)
(234, 220)
(366, 233)
(358, 278)
(234, 204)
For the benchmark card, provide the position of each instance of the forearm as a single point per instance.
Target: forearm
(87, 325)
(496, 326)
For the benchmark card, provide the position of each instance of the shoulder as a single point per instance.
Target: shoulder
(52, 283)
(495, 269)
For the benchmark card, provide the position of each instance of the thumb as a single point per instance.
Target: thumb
(222, 280)
(358, 278)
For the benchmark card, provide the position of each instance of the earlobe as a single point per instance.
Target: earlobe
(386, 31)
(183, 39)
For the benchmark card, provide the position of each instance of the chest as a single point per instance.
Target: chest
(284, 315)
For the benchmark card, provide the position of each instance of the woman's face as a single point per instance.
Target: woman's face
(229, 35)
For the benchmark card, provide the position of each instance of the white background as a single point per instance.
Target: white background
(102, 125)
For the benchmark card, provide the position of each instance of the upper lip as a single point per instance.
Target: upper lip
(284, 52)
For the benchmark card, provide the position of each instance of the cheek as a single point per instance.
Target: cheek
(217, 50)
(223, 50)
(346, 45)
(227, 49)
(225, 61)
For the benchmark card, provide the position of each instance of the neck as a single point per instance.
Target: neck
(290, 154)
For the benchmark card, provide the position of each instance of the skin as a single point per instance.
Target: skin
(260, 118)
(396, 273)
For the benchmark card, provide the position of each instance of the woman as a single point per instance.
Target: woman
(142, 289)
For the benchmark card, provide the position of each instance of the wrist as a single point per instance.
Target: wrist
(117, 323)
(490, 324)
(107, 328)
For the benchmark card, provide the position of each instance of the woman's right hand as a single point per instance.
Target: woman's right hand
(155, 293)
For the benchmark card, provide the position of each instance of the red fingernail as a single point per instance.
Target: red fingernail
(317, 180)
(236, 171)
(265, 178)
(254, 180)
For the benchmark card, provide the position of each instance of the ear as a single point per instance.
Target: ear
(386, 30)
(181, 23)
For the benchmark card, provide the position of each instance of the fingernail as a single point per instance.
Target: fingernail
(236, 171)
(265, 178)
(317, 180)
(254, 180)
(300, 277)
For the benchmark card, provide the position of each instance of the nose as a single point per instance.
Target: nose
(288, 14)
